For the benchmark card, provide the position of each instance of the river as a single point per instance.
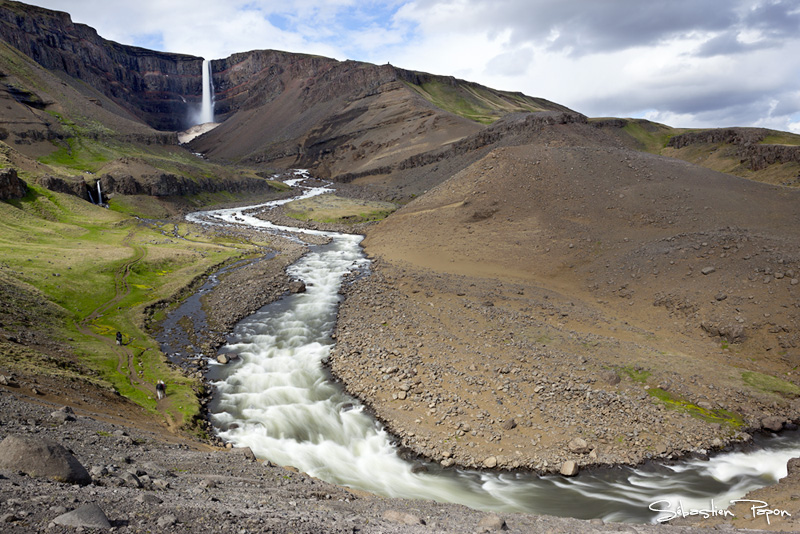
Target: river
(279, 399)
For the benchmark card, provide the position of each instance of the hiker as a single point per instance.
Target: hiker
(161, 389)
(119, 338)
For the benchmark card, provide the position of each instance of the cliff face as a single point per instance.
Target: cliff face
(278, 108)
(160, 89)
(748, 142)
(298, 110)
(11, 186)
(247, 80)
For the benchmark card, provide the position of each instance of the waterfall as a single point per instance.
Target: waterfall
(99, 194)
(207, 106)
(91, 196)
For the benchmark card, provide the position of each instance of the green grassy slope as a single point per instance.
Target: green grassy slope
(100, 269)
(476, 102)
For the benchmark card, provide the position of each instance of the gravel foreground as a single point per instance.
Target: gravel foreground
(143, 481)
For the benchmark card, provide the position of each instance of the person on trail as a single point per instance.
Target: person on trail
(119, 338)
(161, 389)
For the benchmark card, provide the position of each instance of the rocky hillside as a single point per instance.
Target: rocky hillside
(578, 290)
(278, 108)
(756, 153)
(343, 118)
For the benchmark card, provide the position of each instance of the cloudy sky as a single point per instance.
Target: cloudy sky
(686, 63)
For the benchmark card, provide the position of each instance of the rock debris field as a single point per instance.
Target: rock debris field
(64, 471)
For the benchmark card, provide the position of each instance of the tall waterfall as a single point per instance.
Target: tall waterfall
(207, 106)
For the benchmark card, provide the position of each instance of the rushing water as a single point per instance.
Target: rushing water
(278, 400)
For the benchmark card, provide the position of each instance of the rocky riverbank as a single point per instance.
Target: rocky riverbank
(139, 478)
(450, 366)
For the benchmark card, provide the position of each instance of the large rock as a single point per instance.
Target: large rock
(569, 468)
(491, 523)
(76, 187)
(579, 446)
(41, 457)
(88, 516)
(772, 423)
(11, 185)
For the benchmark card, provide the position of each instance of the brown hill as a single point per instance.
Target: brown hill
(343, 118)
(524, 286)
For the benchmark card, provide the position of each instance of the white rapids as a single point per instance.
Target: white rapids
(278, 399)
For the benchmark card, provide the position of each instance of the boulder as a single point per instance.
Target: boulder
(42, 457)
(166, 521)
(148, 498)
(88, 516)
(793, 466)
(569, 468)
(491, 523)
(296, 286)
(63, 415)
(775, 424)
(579, 446)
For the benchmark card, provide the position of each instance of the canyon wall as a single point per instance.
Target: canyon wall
(160, 89)
(756, 154)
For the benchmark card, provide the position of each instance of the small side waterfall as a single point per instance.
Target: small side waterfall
(207, 106)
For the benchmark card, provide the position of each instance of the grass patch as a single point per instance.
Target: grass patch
(781, 138)
(79, 259)
(636, 374)
(674, 402)
(475, 102)
(651, 137)
(770, 384)
(333, 209)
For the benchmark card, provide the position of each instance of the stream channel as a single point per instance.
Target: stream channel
(279, 399)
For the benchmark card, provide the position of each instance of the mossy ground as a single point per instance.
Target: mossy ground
(100, 269)
(474, 102)
(675, 402)
(770, 384)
